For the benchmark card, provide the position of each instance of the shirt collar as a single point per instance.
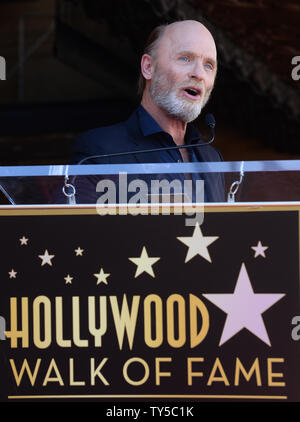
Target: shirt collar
(192, 135)
(149, 126)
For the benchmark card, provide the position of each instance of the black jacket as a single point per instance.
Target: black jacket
(138, 133)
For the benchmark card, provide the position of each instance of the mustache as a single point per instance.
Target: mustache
(197, 85)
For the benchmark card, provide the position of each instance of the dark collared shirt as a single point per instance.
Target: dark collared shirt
(142, 132)
(151, 129)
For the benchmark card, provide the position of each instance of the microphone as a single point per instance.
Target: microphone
(209, 120)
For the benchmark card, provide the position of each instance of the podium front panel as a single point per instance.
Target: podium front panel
(145, 307)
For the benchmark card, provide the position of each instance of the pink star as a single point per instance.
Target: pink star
(259, 250)
(244, 308)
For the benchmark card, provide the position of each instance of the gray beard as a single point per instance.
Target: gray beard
(178, 109)
(175, 107)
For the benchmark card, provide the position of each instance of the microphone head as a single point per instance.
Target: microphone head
(210, 120)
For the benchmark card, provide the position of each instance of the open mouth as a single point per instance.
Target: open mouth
(192, 92)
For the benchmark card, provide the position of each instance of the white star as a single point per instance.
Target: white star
(23, 240)
(79, 251)
(259, 250)
(68, 279)
(244, 308)
(12, 273)
(198, 244)
(46, 258)
(144, 263)
(101, 277)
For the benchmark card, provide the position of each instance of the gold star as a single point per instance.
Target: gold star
(23, 240)
(144, 263)
(46, 258)
(197, 244)
(101, 277)
(12, 273)
(68, 279)
(79, 251)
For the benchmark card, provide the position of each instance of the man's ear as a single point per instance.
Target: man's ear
(147, 66)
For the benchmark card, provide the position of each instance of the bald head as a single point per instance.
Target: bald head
(187, 32)
(179, 70)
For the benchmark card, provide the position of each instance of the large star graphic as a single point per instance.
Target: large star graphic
(46, 258)
(244, 308)
(144, 263)
(197, 244)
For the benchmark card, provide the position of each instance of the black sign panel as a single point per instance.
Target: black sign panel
(145, 307)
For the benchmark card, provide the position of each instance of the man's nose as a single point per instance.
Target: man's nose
(197, 71)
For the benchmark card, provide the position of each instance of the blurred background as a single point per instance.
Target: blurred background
(73, 65)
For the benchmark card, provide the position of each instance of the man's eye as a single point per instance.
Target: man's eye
(185, 59)
(209, 66)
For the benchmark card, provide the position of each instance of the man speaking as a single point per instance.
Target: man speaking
(178, 71)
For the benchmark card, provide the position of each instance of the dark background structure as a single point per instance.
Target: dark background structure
(73, 65)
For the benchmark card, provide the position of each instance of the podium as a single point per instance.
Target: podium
(163, 300)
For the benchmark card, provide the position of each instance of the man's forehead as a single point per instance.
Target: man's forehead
(188, 36)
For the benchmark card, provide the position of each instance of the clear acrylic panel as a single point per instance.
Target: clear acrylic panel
(249, 181)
